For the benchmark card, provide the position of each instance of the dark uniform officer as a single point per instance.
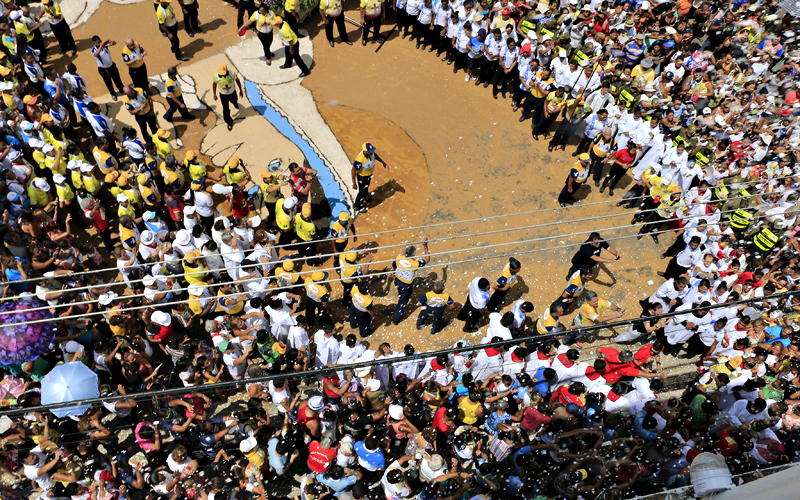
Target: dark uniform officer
(503, 284)
(405, 265)
(361, 311)
(434, 304)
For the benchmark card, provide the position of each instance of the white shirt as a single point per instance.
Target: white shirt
(103, 57)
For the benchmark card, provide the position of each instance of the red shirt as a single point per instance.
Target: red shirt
(320, 459)
(99, 219)
(299, 182)
(240, 209)
(164, 333)
(532, 419)
(563, 396)
(623, 157)
(438, 422)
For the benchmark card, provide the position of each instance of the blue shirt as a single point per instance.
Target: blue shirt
(542, 386)
(775, 331)
(494, 420)
(50, 87)
(338, 486)
(374, 458)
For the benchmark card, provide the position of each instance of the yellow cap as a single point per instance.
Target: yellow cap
(350, 257)
(306, 211)
(47, 118)
(234, 161)
(277, 20)
(584, 157)
(123, 179)
(28, 99)
(223, 68)
(344, 216)
(265, 174)
(162, 134)
(676, 189)
(111, 177)
(288, 266)
(193, 256)
(319, 276)
(142, 179)
(192, 154)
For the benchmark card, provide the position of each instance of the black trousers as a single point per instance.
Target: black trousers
(38, 43)
(583, 146)
(470, 316)
(496, 300)
(674, 269)
(139, 76)
(488, 70)
(361, 320)
(294, 56)
(519, 94)
(404, 291)
(315, 310)
(339, 21)
(174, 43)
(111, 77)
(190, 21)
(563, 133)
(533, 107)
(270, 214)
(308, 250)
(245, 6)
(227, 100)
(63, 34)
(338, 248)
(403, 22)
(347, 293)
(654, 223)
(565, 196)
(292, 22)
(614, 175)
(676, 248)
(436, 312)
(543, 124)
(173, 107)
(421, 33)
(375, 24)
(596, 165)
(266, 42)
(362, 198)
(147, 120)
(502, 78)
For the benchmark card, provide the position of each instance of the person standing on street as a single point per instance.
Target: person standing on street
(224, 80)
(621, 161)
(578, 175)
(105, 65)
(361, 310)
(52, 11)
(372, 14)
(474, 307)
(333, 13)
(169, 26)
(504, 283)
(306, 232)
(351, 271)
(139, 104)
(361, 173)
(291, 15)
(261, 21)
(404, 267)
(434, 303)
(340, 228)
(291, 46)
(190, 22)
(133, 56)
(588, 255)
(174, 97)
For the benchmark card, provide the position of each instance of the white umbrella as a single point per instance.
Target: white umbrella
(69, 382)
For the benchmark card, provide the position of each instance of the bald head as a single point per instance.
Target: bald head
(129, 43)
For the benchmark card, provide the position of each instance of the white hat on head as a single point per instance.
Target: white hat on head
(562, 53)
(72, 347)
(42, 184)
(315, 403)
(183, 237)
(122, 197)
(254, 221)
(532, 35)
(148, 237)
(87, 167)
(12, 196)
(706, 110)
(149, 215)
(289, 203)
(148, 281)
(105, 298)
(36, 143)
(15, 14)
(546, 38)
(247, 445)
(73, 164)
(47, 148)
(59, 179)
(161, 318)
(189, 210)
(196, 290)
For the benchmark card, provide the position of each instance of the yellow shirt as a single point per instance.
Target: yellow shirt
(282, 218)
(371, 7)
(90, 183)
(365, 164)
(589, 314)
(129, 210)
(318, 292)
(128, 54)
(166, 16)
(163, 149)
(287, 35)
(64, 192)
(289, 5)
(341, 230)
(136, 102)
(262, 23)
(270, 197)
(233, 177)
(305, 230)
(61, 168)
(331, 8)
(196, 171)
(53, 10)
(225, 84)
(173, 87)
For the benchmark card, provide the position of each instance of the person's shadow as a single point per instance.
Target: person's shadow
(604, 268)
(385, 191)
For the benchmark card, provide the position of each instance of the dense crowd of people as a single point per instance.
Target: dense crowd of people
(221, 276)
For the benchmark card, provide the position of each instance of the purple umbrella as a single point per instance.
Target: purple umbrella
(22, 343)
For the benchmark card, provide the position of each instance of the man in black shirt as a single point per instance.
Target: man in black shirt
(589, 253)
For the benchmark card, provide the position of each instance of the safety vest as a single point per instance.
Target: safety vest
(341, 230)
(196, 170)
(404, 269)
(350, 274)
(580, 57)
(740, 219)
(225, 83)
(234, 309)
(701, 159)
(318, 292)
(765, 240)
(286, 278)
(270, 197)
(305, 230)
(626, 98)
(146, 192)
(361, 302)
(128, 237)
(129, 210)
(282, 219)
(721, 192)
(102, 160)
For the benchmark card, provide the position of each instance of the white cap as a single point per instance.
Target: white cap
(254, 221)
(87, 167)
(73, 164)
(15, 14)
(546, 38)
(248, 444)
(47, 148)
(105, 298)
(59, 179)
(148, 237)
(42, 184)
(148, 215)
(532, 35)
(196, 290)
(73, 347)
(148, 281)
(316, 403)
(122, 197)
(562, 53)
(189, 210)
(161, 318)
(36, 143)
(706, 110)
(12, 196)
(289, 203)
(645, 5)
(183, 237)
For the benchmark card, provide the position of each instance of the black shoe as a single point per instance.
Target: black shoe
(550, 148)
(576, 153)
(564, 147)
(655, 238)
(639, 236)
(455, 70)
(191, 35)
(597, 184)
(271, 55)
(404, 35)
(363, 42)
(449, 62)
(563, 205)
(535, 137)
(664, 256)
(285, 66)
(621, 203)
(113, 96)
(74, 52)
(183, 58)
(477, 82)
(330, 42)
(485, 84)
(494, 94)
(163, 34)
(522, 118)
(503, 94)
(603, 188)
(304, 74)
(661, 273)
(610, 192)
(348, 42)
(230, 126)
(419, 45)
(431, 49)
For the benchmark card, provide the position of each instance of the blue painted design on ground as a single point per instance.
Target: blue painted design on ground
(330, 186)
